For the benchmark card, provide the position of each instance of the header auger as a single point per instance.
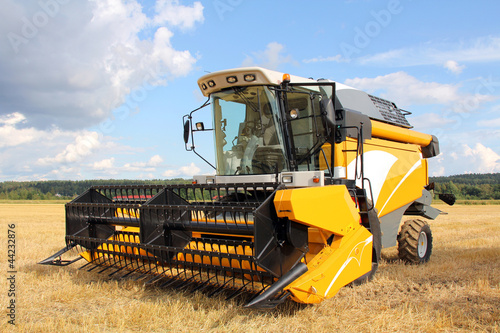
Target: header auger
(312, 179)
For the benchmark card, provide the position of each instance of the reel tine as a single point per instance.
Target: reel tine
(237, 292)
(220, 288)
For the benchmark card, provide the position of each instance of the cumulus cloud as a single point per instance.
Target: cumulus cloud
(460, 158)
(11, 135)
(28, 153)
(83, 146)
(173, 13)
(70, 64)
(454, 67)
(271, 58)
(481, 159)
(106, 164)
(149, 166)
(184, 171)
(406, 90)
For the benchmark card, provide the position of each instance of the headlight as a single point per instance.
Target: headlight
(249, 77)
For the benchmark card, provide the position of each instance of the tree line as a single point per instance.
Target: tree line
(472, 186)
(66, 189)
(467, 186)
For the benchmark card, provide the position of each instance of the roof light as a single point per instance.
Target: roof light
(286, 78)
(210, 181)
(249, 77)
(287, 179)
(194, 182)
(315, 180)
(204, 86)
(231, 79)
(211, 83)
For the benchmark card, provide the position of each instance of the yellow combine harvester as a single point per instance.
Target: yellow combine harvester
(312, 179)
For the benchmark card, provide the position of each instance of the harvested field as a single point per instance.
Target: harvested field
(457, 291)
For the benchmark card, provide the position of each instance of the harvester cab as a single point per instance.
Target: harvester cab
(312, 179)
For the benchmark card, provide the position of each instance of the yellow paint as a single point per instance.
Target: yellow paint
(399, 134)
(334, 268)
(328, 207)
(126, 212)
(133, 239)
(406, 178)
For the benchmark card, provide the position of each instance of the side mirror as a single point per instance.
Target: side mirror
(187, 127)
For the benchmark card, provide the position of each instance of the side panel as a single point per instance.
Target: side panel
(328, 208)
(397, 172)
(334, 267)
(397, 175)
(348, 254)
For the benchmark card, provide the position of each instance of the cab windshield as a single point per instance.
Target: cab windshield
(248, 139)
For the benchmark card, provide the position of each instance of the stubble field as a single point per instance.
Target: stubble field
(457, 291)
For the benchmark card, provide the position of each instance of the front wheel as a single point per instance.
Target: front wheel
(415, 242)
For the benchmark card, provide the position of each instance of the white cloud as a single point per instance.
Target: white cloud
(149, 166)
(83, 146)
(171, 12)
(438, 173)
(155, 160)
(184, 171)
(405, 90)
(12, 119)
(106, 164)
(482, 49)
(430, 120)
(177, 63)
(495, 123)
(11, 135)
(454, 67)
(481, 159)
(271, 58)
(460, 158)
(62, 172)
(76, 68)
(190, 169)
(337, 58)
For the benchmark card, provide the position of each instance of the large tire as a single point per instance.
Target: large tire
(415, 242)
(377, 246)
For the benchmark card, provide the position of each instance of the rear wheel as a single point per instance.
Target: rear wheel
(415, 242)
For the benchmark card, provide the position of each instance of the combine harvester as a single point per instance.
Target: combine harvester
(312, 179)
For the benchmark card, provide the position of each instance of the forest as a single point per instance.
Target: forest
(464, 187)
(66, 189)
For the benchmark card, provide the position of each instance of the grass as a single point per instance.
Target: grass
(457, 291)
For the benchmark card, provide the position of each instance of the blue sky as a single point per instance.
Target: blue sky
(97, 89)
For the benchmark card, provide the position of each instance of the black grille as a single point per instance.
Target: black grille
(390, 112)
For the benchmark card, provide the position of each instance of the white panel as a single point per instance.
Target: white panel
(377, 165)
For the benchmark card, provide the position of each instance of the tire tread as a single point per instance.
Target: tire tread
(408, 241)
